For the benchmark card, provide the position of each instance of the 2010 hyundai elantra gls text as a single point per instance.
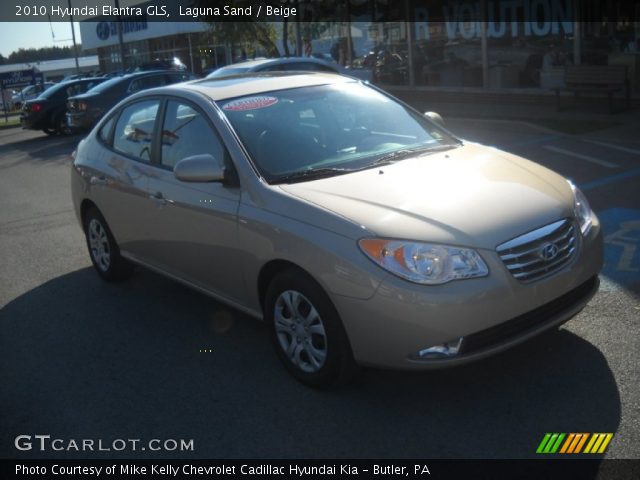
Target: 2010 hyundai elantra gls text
(362, 231)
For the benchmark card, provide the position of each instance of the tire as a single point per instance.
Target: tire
(313, 347)
(61, 125)
(103, 249)
(50, 131)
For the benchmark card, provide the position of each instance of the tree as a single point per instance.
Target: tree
(32, 55)
(249, 32)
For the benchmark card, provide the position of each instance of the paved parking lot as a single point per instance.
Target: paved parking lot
(83, 359)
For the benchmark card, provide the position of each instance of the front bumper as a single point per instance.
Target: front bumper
(492, 313)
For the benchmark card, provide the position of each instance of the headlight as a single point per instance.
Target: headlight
(582, 209)
(424, 263)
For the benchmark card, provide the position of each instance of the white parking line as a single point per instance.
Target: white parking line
(616, 147)
(597, 161)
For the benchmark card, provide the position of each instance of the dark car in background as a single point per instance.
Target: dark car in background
(47, 112)
(83, 111)
(29, 92)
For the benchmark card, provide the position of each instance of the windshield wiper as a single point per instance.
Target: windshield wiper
(312, 174)
(408, 152)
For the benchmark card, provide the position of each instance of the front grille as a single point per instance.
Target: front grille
(534, 319)
(541, 252)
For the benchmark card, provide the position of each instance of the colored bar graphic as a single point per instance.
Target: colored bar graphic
(581, 443)
(576, 439)
(543, 443)
(590, 444)
(605, 443)
(596, 443)
(550, 443)
(568, 442)
(558, 442)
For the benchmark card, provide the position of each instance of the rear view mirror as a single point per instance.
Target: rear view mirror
(435, 118)
(199, 168)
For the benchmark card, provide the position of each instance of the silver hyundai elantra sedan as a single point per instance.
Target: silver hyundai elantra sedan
(362, 231)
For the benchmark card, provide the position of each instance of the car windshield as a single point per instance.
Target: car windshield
(302, 133)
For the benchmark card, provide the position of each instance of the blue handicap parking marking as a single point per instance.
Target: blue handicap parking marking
(621, 228)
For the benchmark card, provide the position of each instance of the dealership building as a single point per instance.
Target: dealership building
(474, 45)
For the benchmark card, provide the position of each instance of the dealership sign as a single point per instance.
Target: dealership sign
(106, 29)
(513, 18)
(20, 78)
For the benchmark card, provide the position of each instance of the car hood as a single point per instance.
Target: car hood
(469, 196)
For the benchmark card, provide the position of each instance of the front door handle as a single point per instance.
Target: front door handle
(159, 198)
(101, 180)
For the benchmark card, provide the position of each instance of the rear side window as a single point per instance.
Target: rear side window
(187, 132)
(308, 66)
(177, 77)
(147, 82)
(134, 130)
(105, 132)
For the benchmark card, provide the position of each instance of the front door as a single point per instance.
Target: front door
(194, 225)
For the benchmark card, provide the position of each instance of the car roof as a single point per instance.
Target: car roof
(259, 62)
(260, 82)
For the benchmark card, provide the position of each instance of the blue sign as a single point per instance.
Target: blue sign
(621, 227)
(104, 30)
(20, 78)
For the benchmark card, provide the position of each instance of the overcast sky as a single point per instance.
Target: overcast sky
(17, 35)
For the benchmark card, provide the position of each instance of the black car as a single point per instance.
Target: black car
(83, 111)
(47, 111)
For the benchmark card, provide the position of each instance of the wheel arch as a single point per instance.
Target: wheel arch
(85, 206)
(273, 268)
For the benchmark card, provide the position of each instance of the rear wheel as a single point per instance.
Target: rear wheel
(104, 252)
(50, 131)
(61, 125)
(307, 331)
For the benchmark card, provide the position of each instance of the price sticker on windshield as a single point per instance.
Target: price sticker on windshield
(251, 103)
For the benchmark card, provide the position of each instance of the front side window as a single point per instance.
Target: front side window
(186, 132)
(134, 130)
(329, 129)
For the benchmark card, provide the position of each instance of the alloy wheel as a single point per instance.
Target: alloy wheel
(99, 244)
(300, 331)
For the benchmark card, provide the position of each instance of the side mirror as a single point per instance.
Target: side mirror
(435, 118)
(199, 168)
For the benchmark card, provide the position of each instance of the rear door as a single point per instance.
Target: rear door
(120, 189)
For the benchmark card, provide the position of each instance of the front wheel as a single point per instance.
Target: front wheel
(104, 252)
(307, 332)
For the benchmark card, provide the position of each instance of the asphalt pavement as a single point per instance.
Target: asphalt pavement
(151, 359)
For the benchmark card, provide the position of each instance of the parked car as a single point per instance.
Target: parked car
(29, 92)
(286, 64)
(83, 111)
(47, 112)
(163, 64)
(363, 232)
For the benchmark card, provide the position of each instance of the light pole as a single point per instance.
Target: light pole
(119, 21)
(73, 36)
